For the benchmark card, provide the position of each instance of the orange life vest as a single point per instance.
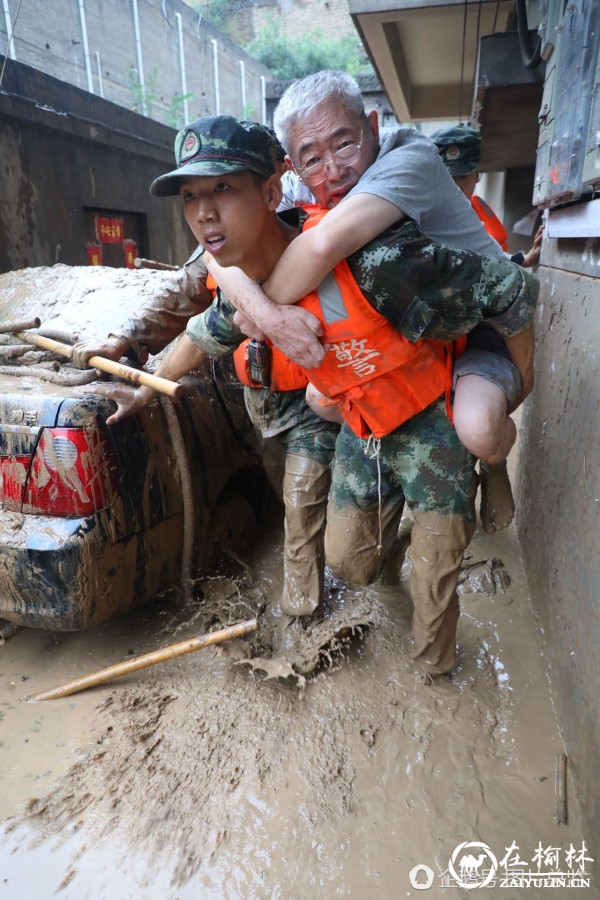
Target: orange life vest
(378, 378)
(286, 375)
(491, 222)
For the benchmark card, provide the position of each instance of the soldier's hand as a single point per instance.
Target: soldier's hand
(129, 400)
(296, 332)
(111, 348)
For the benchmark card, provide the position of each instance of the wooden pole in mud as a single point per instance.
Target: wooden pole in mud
(140, 263)
(148, 659)
(560, 815)
(127, 373)
(12, 327)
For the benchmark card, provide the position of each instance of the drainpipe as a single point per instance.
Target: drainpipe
(216, 77)
(138, 47)
(263, 90)
(186, 114)
(86, 49)
(9, 30)
(243, 86)
(99, 68)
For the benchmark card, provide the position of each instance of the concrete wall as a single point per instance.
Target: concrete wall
(559, 503)
(49, 36)
(66, 154)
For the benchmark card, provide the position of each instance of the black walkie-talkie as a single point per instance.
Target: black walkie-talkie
(259, 362)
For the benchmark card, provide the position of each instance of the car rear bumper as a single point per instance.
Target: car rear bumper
(66, 575)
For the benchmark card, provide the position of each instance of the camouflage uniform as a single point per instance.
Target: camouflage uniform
(212, 147)
(427, 291)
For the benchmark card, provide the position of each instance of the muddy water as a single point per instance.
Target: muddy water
(204, 777)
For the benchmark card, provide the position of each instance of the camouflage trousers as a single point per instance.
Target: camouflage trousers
(424, 463)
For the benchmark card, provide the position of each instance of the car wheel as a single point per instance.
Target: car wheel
(232, 527)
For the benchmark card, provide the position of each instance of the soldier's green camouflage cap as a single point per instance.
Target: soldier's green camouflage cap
(218, 145)
(460, 148)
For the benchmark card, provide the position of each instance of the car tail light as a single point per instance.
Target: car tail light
(73, 473)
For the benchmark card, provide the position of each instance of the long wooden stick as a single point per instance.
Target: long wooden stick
(162, 385)
(148, 659)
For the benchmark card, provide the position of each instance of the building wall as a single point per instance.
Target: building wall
(49, 36)
(65, 153)
(559, 503)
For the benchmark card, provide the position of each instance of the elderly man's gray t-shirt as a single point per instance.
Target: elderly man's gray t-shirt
(409, 173)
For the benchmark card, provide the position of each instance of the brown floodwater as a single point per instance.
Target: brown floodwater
(208, 776)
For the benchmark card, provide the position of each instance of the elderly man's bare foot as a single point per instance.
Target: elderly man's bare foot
(497, 504)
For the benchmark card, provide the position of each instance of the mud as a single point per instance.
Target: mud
(234, 772)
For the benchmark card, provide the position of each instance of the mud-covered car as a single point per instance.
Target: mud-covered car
(95, 520)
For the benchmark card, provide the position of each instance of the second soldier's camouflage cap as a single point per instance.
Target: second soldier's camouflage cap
(218, 145)
(460, 148)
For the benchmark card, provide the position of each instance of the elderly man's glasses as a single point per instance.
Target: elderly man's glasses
(315, 172)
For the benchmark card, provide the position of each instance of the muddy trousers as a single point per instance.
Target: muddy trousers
(437, 547)
(305, 493)
(304, 444)
(424, 462)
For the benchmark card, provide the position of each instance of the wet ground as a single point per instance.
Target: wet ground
(205, 778)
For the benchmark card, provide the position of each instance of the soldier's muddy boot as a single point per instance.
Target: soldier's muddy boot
(305, 492)
(290, 635)
(436, 551)
(497, 503)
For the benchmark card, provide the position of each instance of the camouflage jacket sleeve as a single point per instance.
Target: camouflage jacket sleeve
(426, 289)
(166, 315)
(214, 330)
